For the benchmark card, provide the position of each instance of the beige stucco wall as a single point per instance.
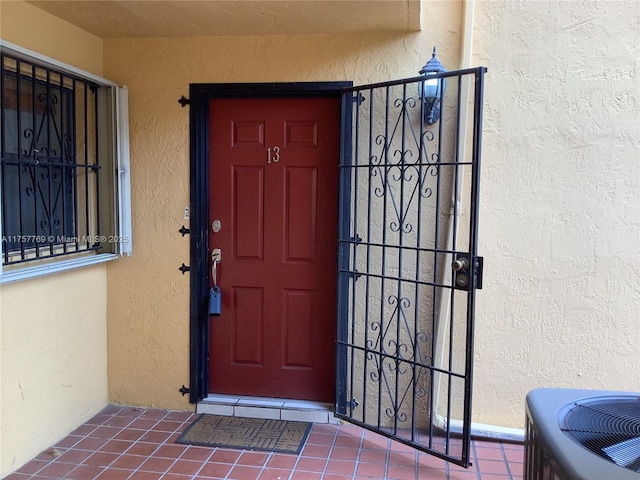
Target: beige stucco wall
(560, 216)
(53, 365)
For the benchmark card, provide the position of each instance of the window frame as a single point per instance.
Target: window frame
(116, 120)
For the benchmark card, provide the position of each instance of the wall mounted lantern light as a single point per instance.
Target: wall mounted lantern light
(432, 90)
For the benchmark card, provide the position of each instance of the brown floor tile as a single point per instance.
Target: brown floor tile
(141, 448)
(116, 446)
(131, 435)
(343, 467)
(347, 441)
(320, 439)
(485, 453)
(427, 473)
(167, 426)
(174, 476)
(74, 456)
(371, 469)
(142, 423)
(196, 453)
(374, 456)
(320, 451)
(225, 456)
(185, 467)
(274, 474)
(128, 462)
(311, 464)
(155, 437)
(32, 467)
(56, 470)
(344, 453)
(69, 441)
(306, 476)
(90, 444)
(101, 459)
(145, 476)
(253, 459)
(402, 458)
(170, 451)
(105, 432)
(180, 416)
(114, 474)
(215, 470)
(492, 466)
(401, 472)
(282, 461)
(84, 472)
(158, 465)
(242, 472)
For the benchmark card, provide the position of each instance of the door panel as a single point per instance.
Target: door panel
(408, 266)
(273, 184)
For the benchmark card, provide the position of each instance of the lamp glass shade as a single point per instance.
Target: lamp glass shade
(430, 88)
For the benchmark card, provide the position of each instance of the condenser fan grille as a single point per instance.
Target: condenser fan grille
(609, 427)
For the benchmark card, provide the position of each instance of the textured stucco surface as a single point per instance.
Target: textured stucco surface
(53, 330)
(560, 214)
(54, 360)
(32, 28)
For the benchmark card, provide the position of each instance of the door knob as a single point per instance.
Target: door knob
(459, 264)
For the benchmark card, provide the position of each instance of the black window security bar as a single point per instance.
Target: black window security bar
(50, 163)
(408, 267)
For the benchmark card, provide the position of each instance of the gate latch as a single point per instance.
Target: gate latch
(466, 272)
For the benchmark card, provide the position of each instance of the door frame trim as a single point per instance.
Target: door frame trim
(199, 96)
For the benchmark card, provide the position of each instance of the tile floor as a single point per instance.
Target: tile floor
(124, 443)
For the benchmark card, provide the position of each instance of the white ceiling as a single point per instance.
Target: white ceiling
(180, 18)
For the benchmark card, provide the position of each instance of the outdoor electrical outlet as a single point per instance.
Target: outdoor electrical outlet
(186, 213)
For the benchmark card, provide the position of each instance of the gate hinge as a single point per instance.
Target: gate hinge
(354, 403)
(184, 101)
(184, 268)
(355, 275)
(478, 268)
(184, 230)
(184, 390)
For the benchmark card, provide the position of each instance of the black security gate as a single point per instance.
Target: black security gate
(408, 266)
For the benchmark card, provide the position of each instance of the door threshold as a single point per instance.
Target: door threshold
(266, 407)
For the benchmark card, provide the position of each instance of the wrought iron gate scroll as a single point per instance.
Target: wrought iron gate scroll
(408, 264)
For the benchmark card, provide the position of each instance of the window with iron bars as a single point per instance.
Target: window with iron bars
(63, 163)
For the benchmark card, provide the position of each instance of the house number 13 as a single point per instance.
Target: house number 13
(273, 155)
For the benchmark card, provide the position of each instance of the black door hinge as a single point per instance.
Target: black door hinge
(184, 101)
(358, 99)
(184, 268)
(184, 390)
(184, 230)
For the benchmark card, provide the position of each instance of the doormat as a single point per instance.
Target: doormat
(246, 433)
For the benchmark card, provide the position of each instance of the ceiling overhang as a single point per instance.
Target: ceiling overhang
(188, 18)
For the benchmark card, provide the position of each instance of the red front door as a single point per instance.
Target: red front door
(274, 193)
